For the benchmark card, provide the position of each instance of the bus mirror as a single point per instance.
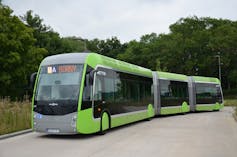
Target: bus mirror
(91, 76)
(32, 79)
(101, 73)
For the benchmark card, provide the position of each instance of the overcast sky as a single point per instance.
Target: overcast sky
(125, 19)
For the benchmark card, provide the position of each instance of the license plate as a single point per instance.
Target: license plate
(53, 130)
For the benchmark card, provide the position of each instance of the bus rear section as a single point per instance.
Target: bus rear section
(207, 95)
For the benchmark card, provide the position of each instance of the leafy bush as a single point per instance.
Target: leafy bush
(230, 94)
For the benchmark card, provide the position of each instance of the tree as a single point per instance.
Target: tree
(194, 42)
(109, 47)
(16, 54)
(190, 48)
(144, 52)
(47, 38)
(72, 44)
(44, 35)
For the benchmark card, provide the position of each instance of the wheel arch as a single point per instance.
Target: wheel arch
(101, 118)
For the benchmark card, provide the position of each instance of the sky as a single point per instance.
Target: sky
(126, 19)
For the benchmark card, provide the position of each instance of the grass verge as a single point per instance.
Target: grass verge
(232, 102)
(14, 116)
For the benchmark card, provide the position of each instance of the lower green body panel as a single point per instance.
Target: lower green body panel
(173, 110)
(132, 117)
(209, 107)
(86, 124)
(121, 120)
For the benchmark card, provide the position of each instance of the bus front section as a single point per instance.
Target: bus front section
(55, 103)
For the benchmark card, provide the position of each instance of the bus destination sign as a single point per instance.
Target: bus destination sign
(61, 69)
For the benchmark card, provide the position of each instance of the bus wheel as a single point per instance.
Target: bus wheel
(104, 123)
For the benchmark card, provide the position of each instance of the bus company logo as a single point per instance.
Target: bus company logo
(53, 104)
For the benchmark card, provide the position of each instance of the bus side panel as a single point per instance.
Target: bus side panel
(205, 107)
(173, 110)
(86, 124)
(174, 96)
(208, 96)
(129, 118)
(170, 110)
(117, 121)
(210, 107)
(123, 95)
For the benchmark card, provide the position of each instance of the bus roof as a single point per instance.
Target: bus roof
(206, 79)
(66, 58)
(94, 60)
(172, 76)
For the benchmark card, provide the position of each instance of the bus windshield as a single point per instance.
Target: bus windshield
(59, 82)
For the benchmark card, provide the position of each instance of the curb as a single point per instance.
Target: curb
(15, 134)
(235, 117)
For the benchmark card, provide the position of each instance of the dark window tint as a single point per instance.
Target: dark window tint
(208, 93)
(173, 93)
(121, 92)
(55, 107)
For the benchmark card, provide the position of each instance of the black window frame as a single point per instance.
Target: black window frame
(87, 95)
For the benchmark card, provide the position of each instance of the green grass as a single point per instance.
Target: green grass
(14, 116)
(230, 102)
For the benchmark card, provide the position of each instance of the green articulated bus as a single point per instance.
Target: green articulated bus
(87, 93)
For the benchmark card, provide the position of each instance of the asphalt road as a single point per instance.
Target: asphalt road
(205, 134)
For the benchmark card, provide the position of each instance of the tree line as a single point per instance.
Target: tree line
(192, 47)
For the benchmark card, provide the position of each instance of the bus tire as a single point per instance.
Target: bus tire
(104, 123)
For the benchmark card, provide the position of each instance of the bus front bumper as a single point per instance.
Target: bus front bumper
(55, 124)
